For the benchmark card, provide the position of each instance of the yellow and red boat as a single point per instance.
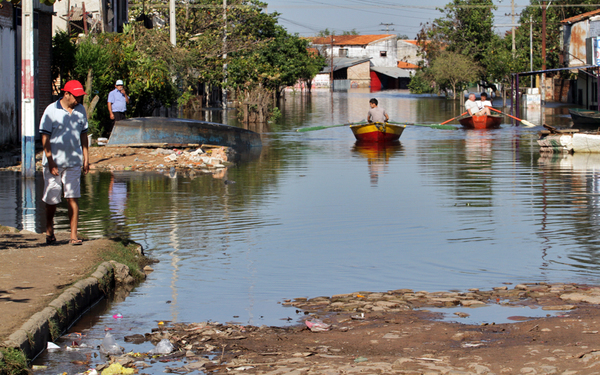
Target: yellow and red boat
(377, 132)
(481, 122)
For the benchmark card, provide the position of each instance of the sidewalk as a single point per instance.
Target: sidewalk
(33, 274)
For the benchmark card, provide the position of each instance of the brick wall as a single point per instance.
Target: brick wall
(6, 11)
(9, 130)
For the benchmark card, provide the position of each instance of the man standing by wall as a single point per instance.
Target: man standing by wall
(117, 104)
(64, 130)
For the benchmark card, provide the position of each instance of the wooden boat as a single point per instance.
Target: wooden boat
(176, 132)
(481, 122)
(377, 132)
(585, 118)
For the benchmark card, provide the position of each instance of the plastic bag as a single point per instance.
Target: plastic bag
(109, 345)
(317, 325)
(163, 347)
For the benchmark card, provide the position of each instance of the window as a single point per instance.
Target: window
(383, 53)
(343, 52)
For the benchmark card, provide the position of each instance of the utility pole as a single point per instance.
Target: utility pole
(387, 25)
(512, 20)
(543, 56)
(172, 26)
(27, 91)
(331, 70)
(531, 47)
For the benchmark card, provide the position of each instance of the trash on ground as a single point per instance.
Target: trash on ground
(317, 325)
(109, 345)
(163, 347)
(116, 369)
(360, 359)
(52, 346)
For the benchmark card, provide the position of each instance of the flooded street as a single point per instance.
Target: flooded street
(315, 214)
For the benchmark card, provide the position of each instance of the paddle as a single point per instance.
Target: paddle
(433, 126)
(454, 118)
(326, 127)
(524, 122)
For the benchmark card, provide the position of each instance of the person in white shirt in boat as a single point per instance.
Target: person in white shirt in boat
(376, 114)
(475, 108)
(484, 103)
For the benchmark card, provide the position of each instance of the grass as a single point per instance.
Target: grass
(13, 362)
(125, 253)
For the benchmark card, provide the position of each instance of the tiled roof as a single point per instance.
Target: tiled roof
(350, 40)
(409, 41)
(581, 16)
(405, 65)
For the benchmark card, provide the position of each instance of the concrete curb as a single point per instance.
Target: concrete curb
(33, 336)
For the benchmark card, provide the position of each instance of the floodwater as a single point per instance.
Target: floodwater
(316, 214)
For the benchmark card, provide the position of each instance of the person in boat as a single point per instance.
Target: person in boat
(117, 104)
(484, 103)
(475, 108)
(376, 114)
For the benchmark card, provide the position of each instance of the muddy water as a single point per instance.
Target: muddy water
(316, 214)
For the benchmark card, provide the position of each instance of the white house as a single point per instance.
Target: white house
(380, 50)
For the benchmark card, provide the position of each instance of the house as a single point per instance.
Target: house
(407, 51)
(577, 55)
(10, 66)
(377, 52)
(100, 15)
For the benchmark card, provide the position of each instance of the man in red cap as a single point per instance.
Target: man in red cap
(64, 128)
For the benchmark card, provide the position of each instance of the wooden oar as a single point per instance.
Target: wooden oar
(434, 126)
(326, 127)
(524, 122)
(454, 118)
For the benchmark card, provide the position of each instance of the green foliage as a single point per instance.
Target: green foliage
(419, 84)
(453, 71)
(280, 62)
(325, 32)
(351, 32)
(124, 253)
(402, 37)
(13, 362)
(63, 57)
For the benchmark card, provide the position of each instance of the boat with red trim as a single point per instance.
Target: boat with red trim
(377, 132)
(481, 122)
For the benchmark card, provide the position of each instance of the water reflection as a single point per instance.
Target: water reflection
(378, 157)
(453, 210)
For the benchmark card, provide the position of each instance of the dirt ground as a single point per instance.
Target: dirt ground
(407, 342)
(32, 273)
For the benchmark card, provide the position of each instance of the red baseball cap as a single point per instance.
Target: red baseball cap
(74, 87)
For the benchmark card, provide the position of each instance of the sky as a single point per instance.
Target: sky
(308, 17)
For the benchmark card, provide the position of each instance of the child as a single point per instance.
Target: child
(376, 114)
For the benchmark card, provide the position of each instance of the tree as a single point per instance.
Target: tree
(465, 29)
(452, 70)
(402, 37)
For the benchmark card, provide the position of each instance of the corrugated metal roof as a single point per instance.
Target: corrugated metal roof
(350, 40)
(391, 72)
(342, 63)
(581, 17)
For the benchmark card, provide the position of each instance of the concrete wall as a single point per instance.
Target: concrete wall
(391, 49)
(408, 52)
(359, 75)
(8, 100)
